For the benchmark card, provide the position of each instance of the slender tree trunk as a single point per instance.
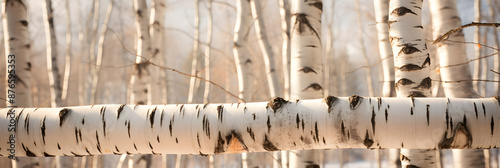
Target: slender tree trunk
(208, 52)
(156, 31)
(266, 48)
(496, 63)
(477, 49)
(92, 53)
(67, 63)
(444, 18)
(306, 69)
(54, 77)
(369, 80)
(16, 41)
(195, 52)
(411, 61)
(335, 122)
(100, 52)
(240, 50)
(285, 25)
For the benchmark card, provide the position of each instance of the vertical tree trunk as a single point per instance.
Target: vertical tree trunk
(208, 52)
(195, 52)
(445, 17)
(156, 31)
(411, 61)
(16, 40)
(496, 63)
(67, 63)
(385, 49)
(266, 48)
(369, 81)
(285, 25)
(54, 77)
(92, 53)
(477, 48)
(100, 52)
(306, 69)
(240, 50)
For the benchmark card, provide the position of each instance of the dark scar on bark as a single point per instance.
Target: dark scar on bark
(427, 114)
(307, 70)
(373, 120)
(492, 125)
(220, 111)
(233, 134)
(354, 101)
(475, 109)
(219, 147)
(152, 117)
(318, 5)
(119, 111)
(43, 131)
(402, 11)
(330, 102)
(408, 49)
(276, 103)
(367, 142)
(314, 86)
(268, 145)
(63, 114)
(250, 132)
(460, 130)
(268, 124)
(303, 22)
(424, 84)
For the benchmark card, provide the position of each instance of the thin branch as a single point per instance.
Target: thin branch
(495, 71)
(368, 66)
(445, 36)
(174, 70)
(475, 59)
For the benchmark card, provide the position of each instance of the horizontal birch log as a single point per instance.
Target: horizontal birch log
(333, 122)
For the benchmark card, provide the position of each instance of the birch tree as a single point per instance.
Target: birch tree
(452, 55)
(208, 51)
(411, 62)
(50, 36)
(285, 26)
(333, 122)
(306, 69)
(156, 31)
(16, 40)
(240, 50)
(195, 52)
(67, 60)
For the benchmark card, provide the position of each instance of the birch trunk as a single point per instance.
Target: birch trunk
(333, 122)
(67, 60)
(92, 53)
(477, 49)
(208, 52)
(444, 18)
(196, 43)
(266, 48)
(140, 80)
(100, 52)
(16, 41)
(54, 77)
(306, 69)
(411, 61)
(156, 31)
(285, 25)
(496, 62)
(369, 81)
(240, 50)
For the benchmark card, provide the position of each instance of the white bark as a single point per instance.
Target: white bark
(156, 32)
(240, 50)
(208, 51)
(266, 48)
(67, 60)
(140, 80)
(444, 18)
(54, 77)
(345, 122)
(195, 52)
(285, 25)
(385, 49)
(369, 82)
(306, 69)
(411, 61)
(477, 48)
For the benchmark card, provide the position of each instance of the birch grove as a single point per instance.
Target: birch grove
(333, 122)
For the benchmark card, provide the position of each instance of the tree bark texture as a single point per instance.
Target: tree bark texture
(381, 17)
(333, 122)
(50, 36)
(240, 50)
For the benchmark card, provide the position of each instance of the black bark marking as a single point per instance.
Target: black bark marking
(27, 151)
(497, 98)
(180, 109)
(268, 124)
(312, 165)
(205, 105)
(312, 46)
(317, 5)
(103, 120)
(128, 129)
(59, 146)
(427, 114)
(492, 125)
(163, 113)
(427, 60)
(373, 120)
(83, 121)
(460, 139)
(233, 135)
(379, 103)
(76, 136)
(342, 127)
(411, 111)
(158, 138)
(416, 94)
(268, 145)
(316, 131)
(176, 140)
(409, 67)
(253, 115)
(475, 109)
(307, 70)
(63, 114)
(277, 103)
(409, 49)
(314, 86)
(250, 132)
(49, 155)
(451, 123)
(43, 130)
(198, 140)
(119, 111)
(206, 126)
(386, 116)
(297, 121)
(150, 146)
(354, 101)
(135, 147)
(403, 158)
(418, 27)
(98, 143)
(152, 117)
(484, 109)
(303, 22)
(170, 128)
(401, 11)
(367, 142)
(426, 83)
(219, 147)
(220, 112)
(330, 102)
(303, 125)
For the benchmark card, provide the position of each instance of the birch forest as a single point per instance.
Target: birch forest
(250, 83)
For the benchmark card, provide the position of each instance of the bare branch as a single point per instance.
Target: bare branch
(445, 36)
